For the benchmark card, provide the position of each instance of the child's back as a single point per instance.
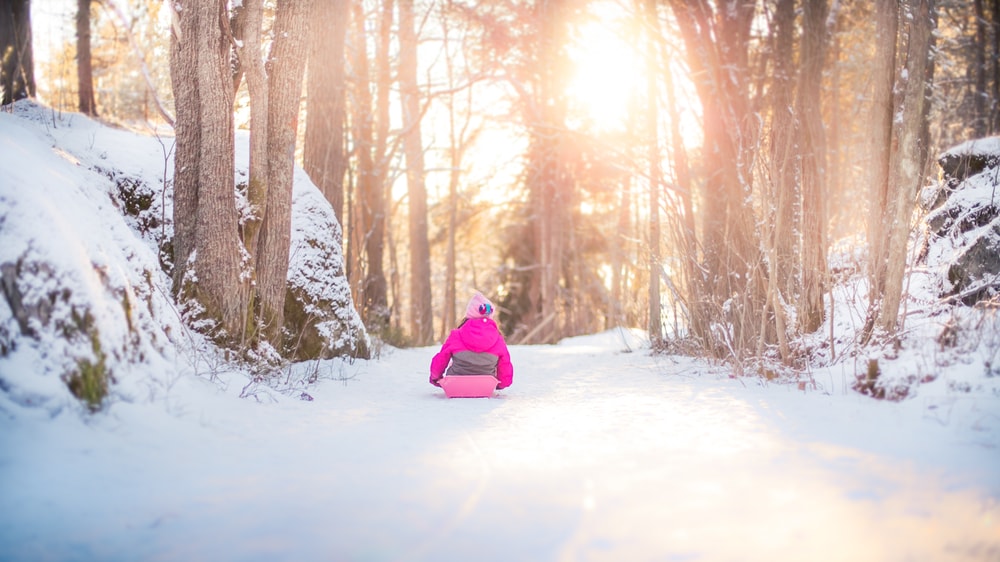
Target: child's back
(476, 347)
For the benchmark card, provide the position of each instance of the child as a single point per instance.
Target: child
(476, 347)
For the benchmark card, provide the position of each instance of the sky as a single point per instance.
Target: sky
(600, 450)
(51, 26)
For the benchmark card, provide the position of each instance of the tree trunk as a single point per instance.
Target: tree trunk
(907, 166)
(548, 181)
(361, 120)
(980, 121)
(785, 160)
(84, 68)
(782, 191)
(652, 138)
(368, 228)
(995, 57)
(812, 147)
(685, 228)
(421, 312)
(324, 157)
(252, 63)
(835, 148)
(17, 66)
(187, 131)
(205, 219)
(883, 76)
(286, 68)
(247, 30)
(375, 289)
(458, 142)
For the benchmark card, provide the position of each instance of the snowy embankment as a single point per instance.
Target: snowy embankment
(594, 454)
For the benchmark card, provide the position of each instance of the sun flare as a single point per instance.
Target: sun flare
(607, 68)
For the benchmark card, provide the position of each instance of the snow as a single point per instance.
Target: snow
(988, 145)
(80, 263)
(599, 451)
(593, 453)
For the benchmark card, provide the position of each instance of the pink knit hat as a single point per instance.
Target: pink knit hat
(479, 307)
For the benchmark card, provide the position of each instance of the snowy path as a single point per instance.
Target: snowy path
(591, 455)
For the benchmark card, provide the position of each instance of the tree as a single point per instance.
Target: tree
(207, 249)
(84, 68)
(324, 156)
(784, 186)
(813, 152)
(539, 248)
(275, 95)
(285, 71)
(461, 135)
(907, 164)
(652, 121)
(247, 25)
(994, 50)
(17, 67)
(734, 294)
(370, 124)
(782, 190)
(421, 311)
(899, 155)
(883, 73)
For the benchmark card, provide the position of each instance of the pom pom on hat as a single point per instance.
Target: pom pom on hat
(479, 307)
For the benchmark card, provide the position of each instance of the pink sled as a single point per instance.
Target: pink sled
(469, 386)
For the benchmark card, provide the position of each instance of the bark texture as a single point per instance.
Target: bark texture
(421, 312)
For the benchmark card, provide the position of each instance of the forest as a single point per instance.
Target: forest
(708, 171)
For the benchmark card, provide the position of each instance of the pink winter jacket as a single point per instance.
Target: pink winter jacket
(474, 348)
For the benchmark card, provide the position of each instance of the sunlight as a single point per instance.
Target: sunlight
(608, 70)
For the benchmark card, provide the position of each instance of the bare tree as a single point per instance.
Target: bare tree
(883, 77)
(206, 245)
(209, 259)
(285, 70)
(275, 90)
(734, 294)
(652, 138)
(461, 135)
(17, 66)
(907, 164)
(981, 118)
(324, 155)
(84, 67)
(784, 187)
(421, 311)
(994, 50)
(548, 179)
(247, 26)
(812, 148)
(370, 125)
(375, 292)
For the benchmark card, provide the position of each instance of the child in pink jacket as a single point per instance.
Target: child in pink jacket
(476, 347)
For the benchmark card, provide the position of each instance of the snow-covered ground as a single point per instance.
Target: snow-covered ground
(595, 453)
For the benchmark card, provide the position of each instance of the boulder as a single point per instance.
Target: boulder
(963, 225)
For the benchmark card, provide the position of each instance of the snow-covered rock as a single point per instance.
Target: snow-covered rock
(963, 225)
(83, 301)
(85, 255)
(320, 318)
